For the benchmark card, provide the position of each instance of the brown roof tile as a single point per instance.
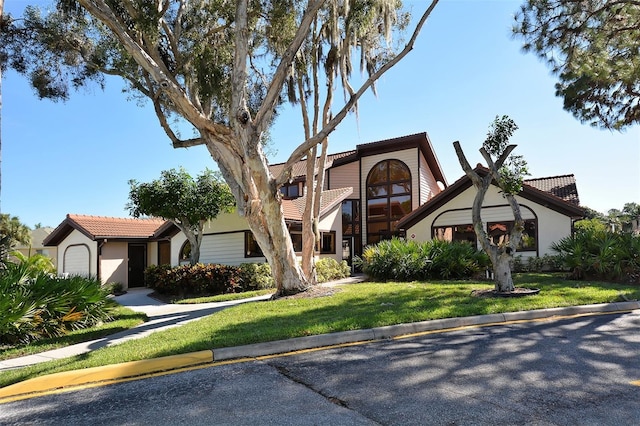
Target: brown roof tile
(561, 186)
(100, 227)
(293, 209)
(300, 168)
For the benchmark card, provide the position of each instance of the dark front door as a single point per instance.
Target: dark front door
(137, 264)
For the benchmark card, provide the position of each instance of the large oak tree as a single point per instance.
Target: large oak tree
(224, 67)
(594, 48)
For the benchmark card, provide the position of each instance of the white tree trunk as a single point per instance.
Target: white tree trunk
(502, 273)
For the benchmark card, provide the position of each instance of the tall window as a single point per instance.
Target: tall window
(388, 198)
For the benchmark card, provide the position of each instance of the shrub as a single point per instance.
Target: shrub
(256, 276)
(328, 269)
(194, 280)
(36, 304)
(113, 288)
(596, 254)
(408, 260)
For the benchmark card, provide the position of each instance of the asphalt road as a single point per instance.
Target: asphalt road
(566, 372)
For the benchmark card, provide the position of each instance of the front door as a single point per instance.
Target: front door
(137, 264)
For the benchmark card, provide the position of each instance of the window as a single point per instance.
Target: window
(388, 198)
(499, 234)
(351, 217)
(455, 233)
(290, 191)
(185, 252)
(251, 247)
(327, 242)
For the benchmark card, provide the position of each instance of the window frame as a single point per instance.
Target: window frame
(388, 190)
(509, 225)
(250, 240)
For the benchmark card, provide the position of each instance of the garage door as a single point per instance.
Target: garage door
(76, 260)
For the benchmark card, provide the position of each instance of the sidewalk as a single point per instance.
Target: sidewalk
(161, 317)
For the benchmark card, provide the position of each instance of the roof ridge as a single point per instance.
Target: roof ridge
(75, 215)
(550, 177)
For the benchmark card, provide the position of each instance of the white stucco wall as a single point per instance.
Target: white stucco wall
(552, 226)
(78, 254)
(113, 263)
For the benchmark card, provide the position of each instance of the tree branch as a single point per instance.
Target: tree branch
(301, 150)
(264, 115)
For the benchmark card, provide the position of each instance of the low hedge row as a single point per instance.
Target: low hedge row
(211, 279)
(207, 279)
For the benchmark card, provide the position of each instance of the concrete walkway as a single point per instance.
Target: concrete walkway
(161, 317)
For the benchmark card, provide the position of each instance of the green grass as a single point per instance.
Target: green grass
(224, 297)
(123, 319)
(356, 306)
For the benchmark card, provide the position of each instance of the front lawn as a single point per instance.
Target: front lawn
(350, 307)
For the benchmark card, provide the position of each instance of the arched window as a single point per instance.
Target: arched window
(185, 252)
(388, 198)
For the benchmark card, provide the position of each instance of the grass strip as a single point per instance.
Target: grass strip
(354, 306)
(122, 319)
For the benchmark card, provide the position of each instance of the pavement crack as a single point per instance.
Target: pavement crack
(289, 375)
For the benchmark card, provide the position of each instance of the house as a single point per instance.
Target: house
(388, 188)
(37, 247)
(112, 249)
(366, 191)
(549, 207)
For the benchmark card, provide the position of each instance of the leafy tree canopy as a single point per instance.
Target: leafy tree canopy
(594, 48)
(177, 196)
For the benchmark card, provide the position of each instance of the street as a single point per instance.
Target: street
(564, 372)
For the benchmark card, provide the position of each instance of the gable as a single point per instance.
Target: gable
(418, 141)
(528, 192)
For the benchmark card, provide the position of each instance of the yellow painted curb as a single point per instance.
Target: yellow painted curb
(108, 372)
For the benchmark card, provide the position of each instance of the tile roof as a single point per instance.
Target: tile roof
(101, 227)
(293, 209)
(300, 168)
(561, 186)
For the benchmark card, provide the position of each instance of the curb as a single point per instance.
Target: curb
(129, 370)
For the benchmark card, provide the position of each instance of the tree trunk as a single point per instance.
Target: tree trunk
(502, 273)
(266, 221)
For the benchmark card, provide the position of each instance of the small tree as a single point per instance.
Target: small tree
(188, 203)
(507, 172)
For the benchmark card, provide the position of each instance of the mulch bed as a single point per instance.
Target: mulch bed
(517, 292)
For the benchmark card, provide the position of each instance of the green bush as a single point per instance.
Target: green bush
(194, 280)
(36, 304)
(328, 269)
(397, 259)
(256, 276)
(596, 254)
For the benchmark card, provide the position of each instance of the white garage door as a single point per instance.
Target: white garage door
(76, 260)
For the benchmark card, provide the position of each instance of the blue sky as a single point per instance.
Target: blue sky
(77, 157)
